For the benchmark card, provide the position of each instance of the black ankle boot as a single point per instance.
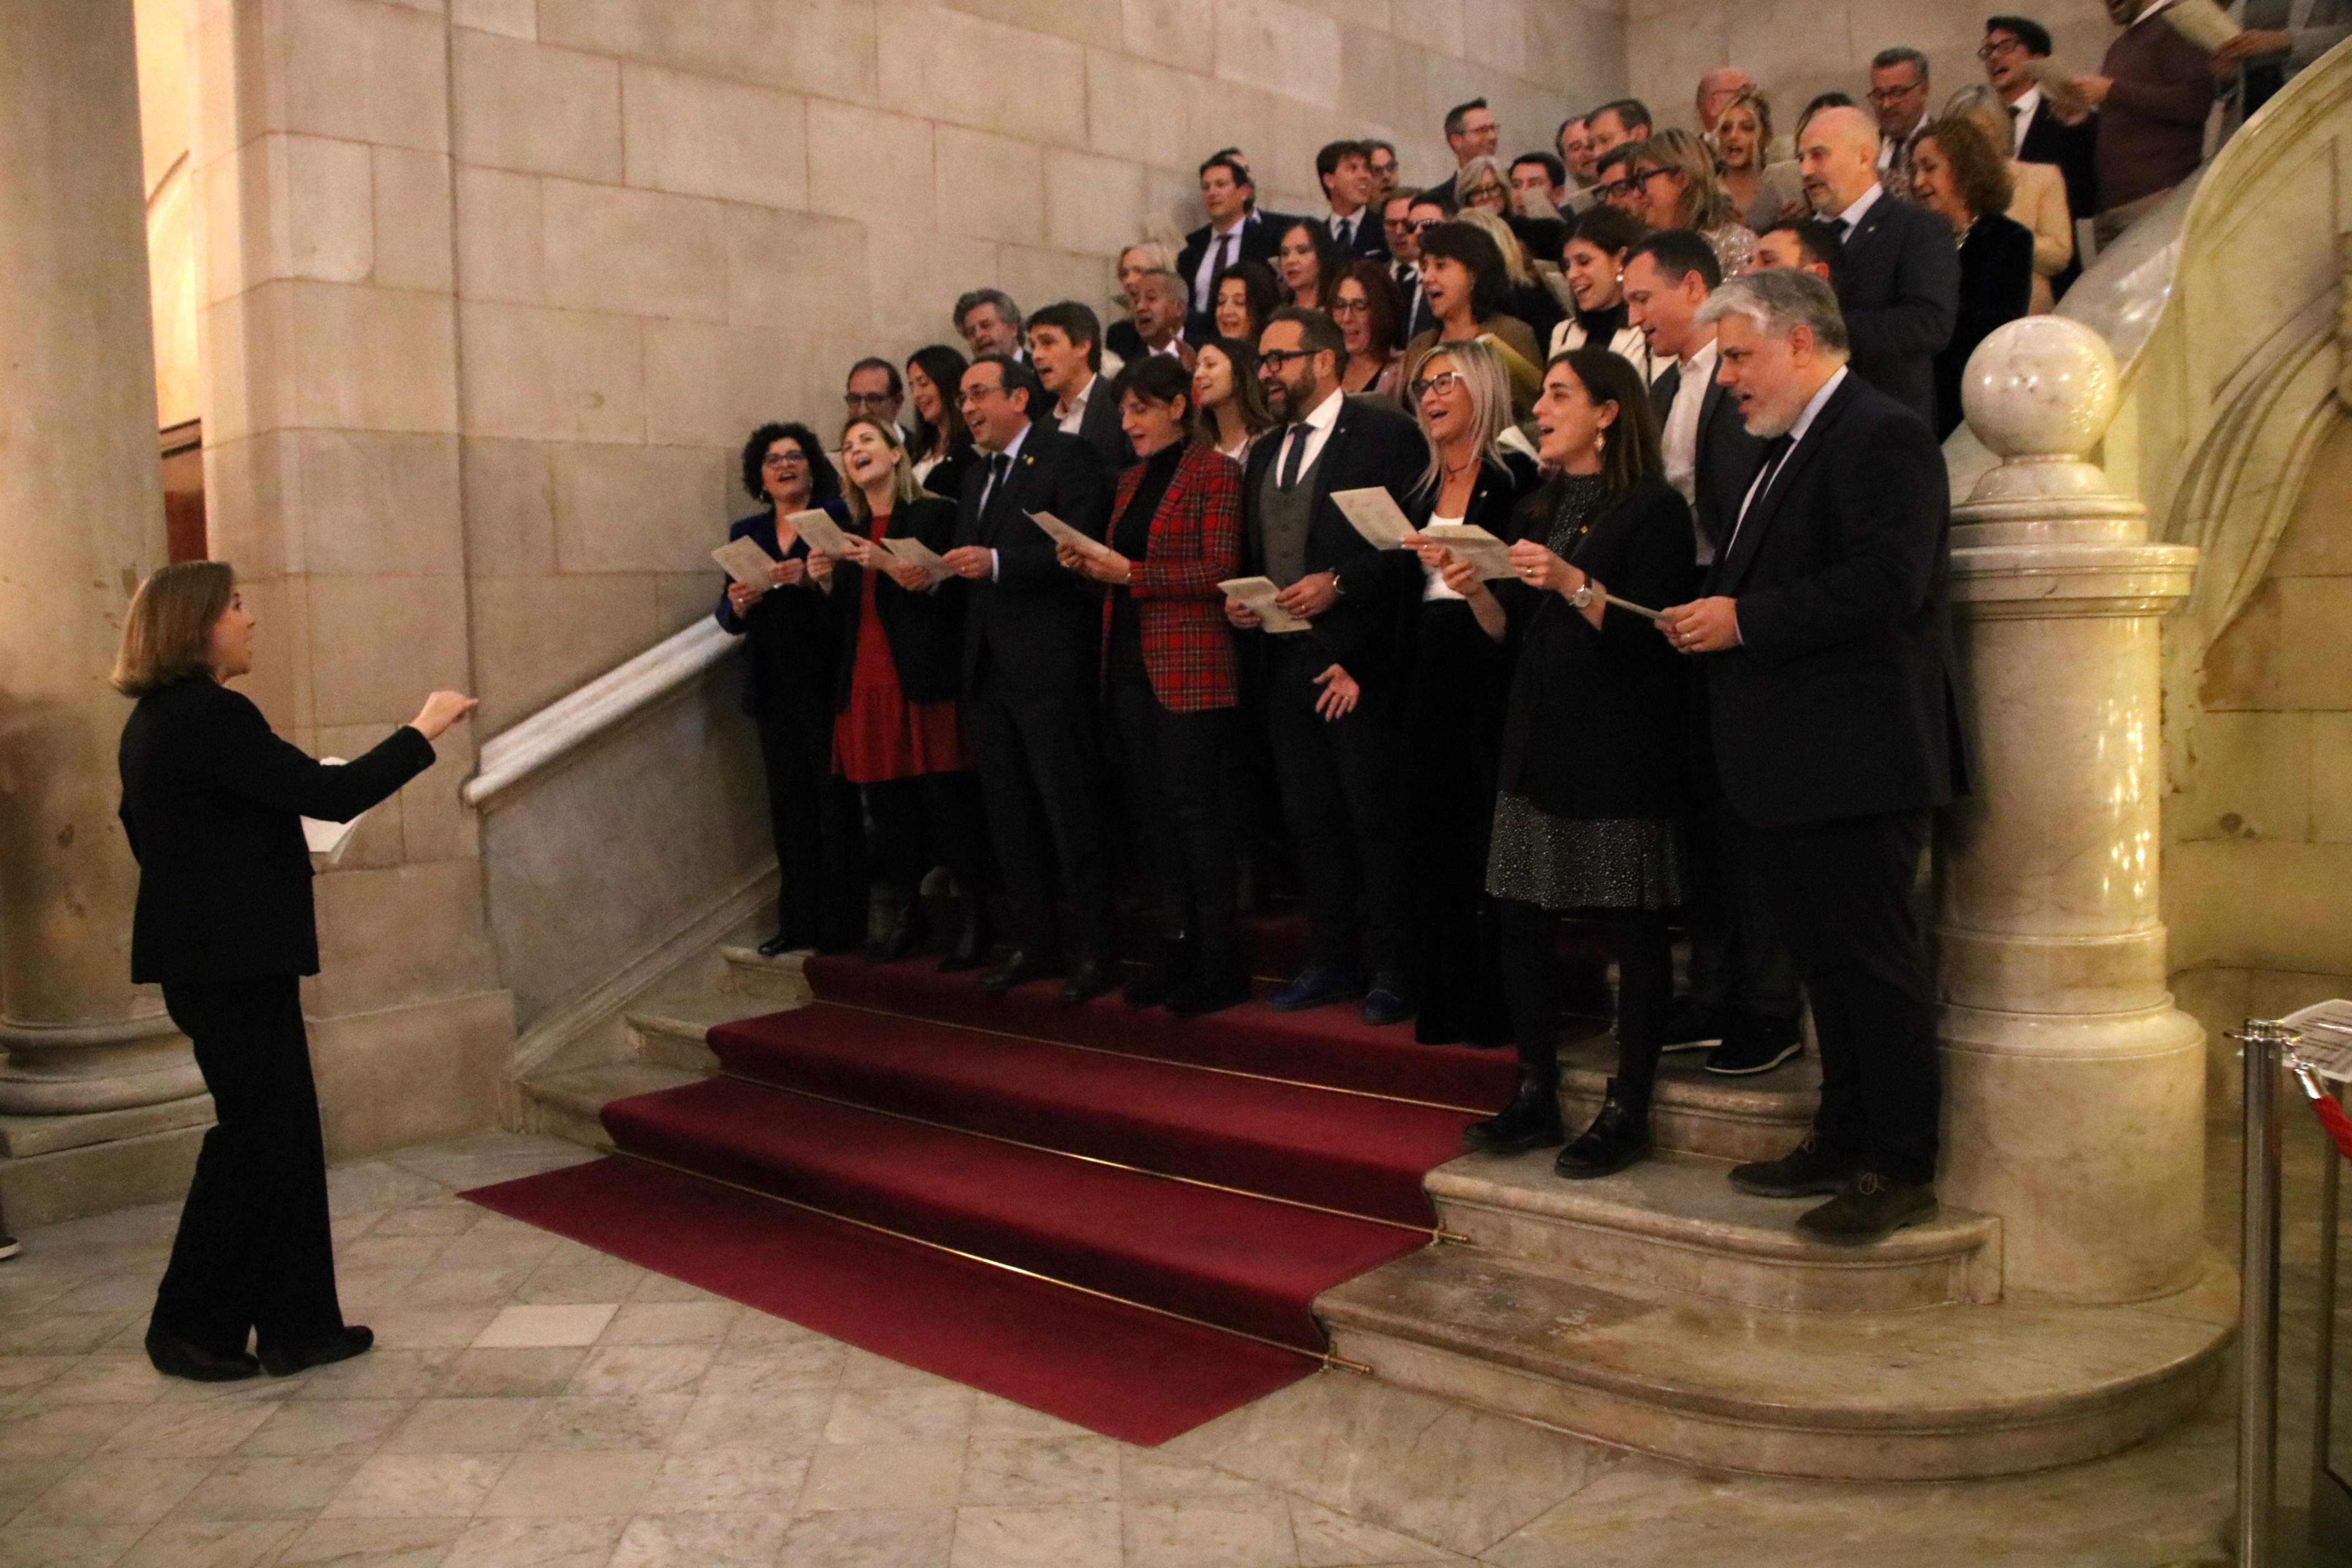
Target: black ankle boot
(971, 943)
(1530, 1122)
(1179, 956)
(1619, 1137)
(903, 929)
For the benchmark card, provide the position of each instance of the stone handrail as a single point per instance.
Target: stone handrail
(564, 726)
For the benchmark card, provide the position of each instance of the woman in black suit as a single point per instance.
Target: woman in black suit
(212, 806)
(788, 683)
(898, 730)
(1454, 699)
(1595, 772)
(1958, 175)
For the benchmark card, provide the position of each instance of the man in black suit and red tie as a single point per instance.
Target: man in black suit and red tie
(1029, 659)
(1823, 633)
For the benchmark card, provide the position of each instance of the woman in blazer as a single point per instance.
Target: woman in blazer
(212, 806)
(788, 684)
(897, 728)
(2039, 202)
(1594, 771)
(1168, 669)
(1454, 696)
(1958, 175)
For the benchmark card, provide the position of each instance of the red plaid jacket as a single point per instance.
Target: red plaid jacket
(1196, 543)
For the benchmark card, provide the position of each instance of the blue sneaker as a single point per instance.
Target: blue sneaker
(1391, 1001)
(1314, 986)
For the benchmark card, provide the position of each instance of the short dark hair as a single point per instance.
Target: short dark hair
(1824, 101)
(1571, 119)
(1677, 253)
(1318, 333)
(1013, 375)
(1075, 321)
(1555, 172)
(1817, 241)
(1375, 144)
(1630, 455)
(1629, 112)
(1261, 290)
(889, 371)
(1334, 153)
(1620, 153)
(1474, 248)
(1608, 229)
(1155, 378)
(1231, 163)
(824, 483)
(1459, 113)
(1900, 55)
(2029, 32)
(966, 303)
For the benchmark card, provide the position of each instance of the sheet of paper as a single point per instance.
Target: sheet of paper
(2327, 1030)
(2055, 79)
(332, 838)
(746, 562)
(916, 553)
(821, 532)
(1258, 593)
(2201, 22)
(1476, 545)
(1642, 610)
(1063, 533)
(1375, 513)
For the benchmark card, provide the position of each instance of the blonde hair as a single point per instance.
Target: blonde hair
(1515, 256)
(1704, 204)
(1756, 103)
(167, 636)
(904, 486)
(1480, 366)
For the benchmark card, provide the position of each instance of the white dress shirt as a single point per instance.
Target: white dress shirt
(1072, 416)
(1319, 424)
(1214, 259)
(2020, 117)
(988, 487)
(1680, 439)
(1343, 229)
(1852, 216)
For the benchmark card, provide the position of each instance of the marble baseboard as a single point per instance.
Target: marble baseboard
(96, 1178)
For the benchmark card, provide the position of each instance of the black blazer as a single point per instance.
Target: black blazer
(925, 630)
(1368, 446)
(786, 628)
(1494, 505)
(1839, 701)
(946, 478)
(1122, 339)
(1900, 290)
(1098, 427)
(1728, 456)
(1034, 626)
(1369, 241)
(210, 803)
(1996, 288)
(1261, 237)
(1598, 721)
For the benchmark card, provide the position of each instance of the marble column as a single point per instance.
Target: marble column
(92, 1063)
(2074, 1100)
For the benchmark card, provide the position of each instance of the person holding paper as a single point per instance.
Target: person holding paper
(1457, 680)
(1595, 769)
(212, 809)
(1169, 670)
(897, 729)
(2153, 93)
(1031, 648)
(792, 659)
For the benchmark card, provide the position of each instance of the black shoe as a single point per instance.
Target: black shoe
(1530, 1122)
(1017, 968)
(1756, 1043)
(1805, 1170)
(970, 949)
(1692, 1026)
(1179, 956)
(176, 1357)
(905, 931)
(1215, 985)
(1869, 1208)
(1089, 978)
(784, 941)
(1390, 1000)
(1619, 1137)
(281, 1360)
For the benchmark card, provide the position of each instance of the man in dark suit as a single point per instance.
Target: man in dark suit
(1470, 132)
(1346, 170)
(1331, 691)
(1824, 630)
(1236, 231)
(1901, 291)
(2037, 133)
(1029, 652)
(1742, 1002)
(1066, 351)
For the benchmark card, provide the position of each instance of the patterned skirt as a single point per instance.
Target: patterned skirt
(1582, 863)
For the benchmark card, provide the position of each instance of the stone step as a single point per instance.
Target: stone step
(1934, 1394)
(777, 982)
(1675, 1223)
(570, 1104)
(1695, 1111)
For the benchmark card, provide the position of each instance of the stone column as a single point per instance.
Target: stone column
(2074, 1103)
(91, 1060)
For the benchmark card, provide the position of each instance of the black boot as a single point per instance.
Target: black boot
(1530, 1122)
(903, 929)
(1618, 1136)
(1178, 955)
(1217, 982)
(971, 943)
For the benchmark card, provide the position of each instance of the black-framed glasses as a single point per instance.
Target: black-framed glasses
(1895, 94)
(1400, 224)
(1346, 307)
(1442, 383)
(1275, 359)
(780, 460)
(1992, 47)
(855, 401)
(1618, 190)
(1423, 225)
(971, 394)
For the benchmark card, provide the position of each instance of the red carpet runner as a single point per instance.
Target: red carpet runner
(1108, 1215)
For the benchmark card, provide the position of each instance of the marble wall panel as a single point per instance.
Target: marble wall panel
(514, 18)
(377, 644)
(362, 358)
(371, 501)
(360, 71)
(990, 187)
(869, 165)
(405, 1076)
(1281, 46)
(389, 938)
(2331, 765)
(1136, 108)
(509, 490)
(501, 237)
(1178, 33)
(1096, 22)
(969, 63)
(1092, 203)
(640, 508)
(551, 375)
(1036, 277)
(320, 218)
(916, 278)
(700, 136)
(246, 520)
(2257, 904)
(412, 216)
(535, 109)
(641, 253)
(2289, 649)
(280, 684)
(536, 638)
(1370, 73)
(800, 273)
(1438, 26)
(2252, 779)
(1495, 35)
(812, 46)
(237, 366)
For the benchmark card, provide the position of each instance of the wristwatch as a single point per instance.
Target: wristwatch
(1338, 589)
(1584, 595)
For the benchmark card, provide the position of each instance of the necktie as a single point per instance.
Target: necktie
(1774, 451)
(1291, 455)
(1840, 225)
(998, 467)
(1347, 235)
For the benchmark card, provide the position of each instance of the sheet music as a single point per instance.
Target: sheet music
(916, 553)
(1063, 533)
(1258, 593)
(2201, 22)
(746, 562)
(332, 838)
(822, 533)
(1473, 543)
(1375, 513)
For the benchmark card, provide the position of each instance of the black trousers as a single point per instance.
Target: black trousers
(1846, 891)
(1645, 990)
(254, 1253)
(1737, 957)
(931, 820)
(1450, 755)
(1340, 795)
(813, 814)
(1175, 766)
(1041, 772)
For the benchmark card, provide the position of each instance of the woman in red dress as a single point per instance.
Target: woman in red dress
(898, 730)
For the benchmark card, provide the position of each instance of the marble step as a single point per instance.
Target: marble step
(1674, 1222)
(1695, 1111)
(1933, 1393)
(570, 1104)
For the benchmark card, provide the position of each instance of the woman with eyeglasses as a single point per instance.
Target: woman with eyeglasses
(792, 659)
(1369, 309)
(1595, 771)
(940, 443)
(1308, 263)
(1464, 279)
(1242, 297)
(1594, 261)
(1761, 193)
(1674, 173)
(1229, 410)
(1481, 183)
(1460, 678)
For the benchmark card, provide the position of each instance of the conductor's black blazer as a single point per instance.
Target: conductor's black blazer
(1727, 455)
(925, 630)
(1035, 625)
(1900, 292)
(1839, 700)
(211, 804)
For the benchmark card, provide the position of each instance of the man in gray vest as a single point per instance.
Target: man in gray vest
(1332, 705)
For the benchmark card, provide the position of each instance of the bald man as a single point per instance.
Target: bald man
(1716, 89)
(1900, 287)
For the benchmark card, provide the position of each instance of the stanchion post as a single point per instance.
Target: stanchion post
(2258, 1300)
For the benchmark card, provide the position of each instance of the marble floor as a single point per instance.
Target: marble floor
(534, 1403)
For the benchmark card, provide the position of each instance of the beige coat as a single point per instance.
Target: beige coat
(2040, 204)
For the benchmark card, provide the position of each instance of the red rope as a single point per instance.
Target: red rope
(2339, 1126)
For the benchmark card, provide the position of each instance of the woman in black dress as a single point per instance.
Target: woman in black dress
(212, 806)
(1594, 766)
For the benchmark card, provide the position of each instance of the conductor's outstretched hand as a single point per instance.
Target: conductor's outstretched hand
(442, 710)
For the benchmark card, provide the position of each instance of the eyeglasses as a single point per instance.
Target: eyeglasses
(857, 401)
(1895, 94)
(1275, 359)
(1618, 190)
(783, 460)
(1351, 307)
(1479, 192)
(1992, 47)
(1423, 225)
(1442, 383)
(971, 394)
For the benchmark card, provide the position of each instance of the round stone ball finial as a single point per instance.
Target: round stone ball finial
(2040, 386)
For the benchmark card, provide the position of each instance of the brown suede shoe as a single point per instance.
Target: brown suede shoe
(1869, 1209)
